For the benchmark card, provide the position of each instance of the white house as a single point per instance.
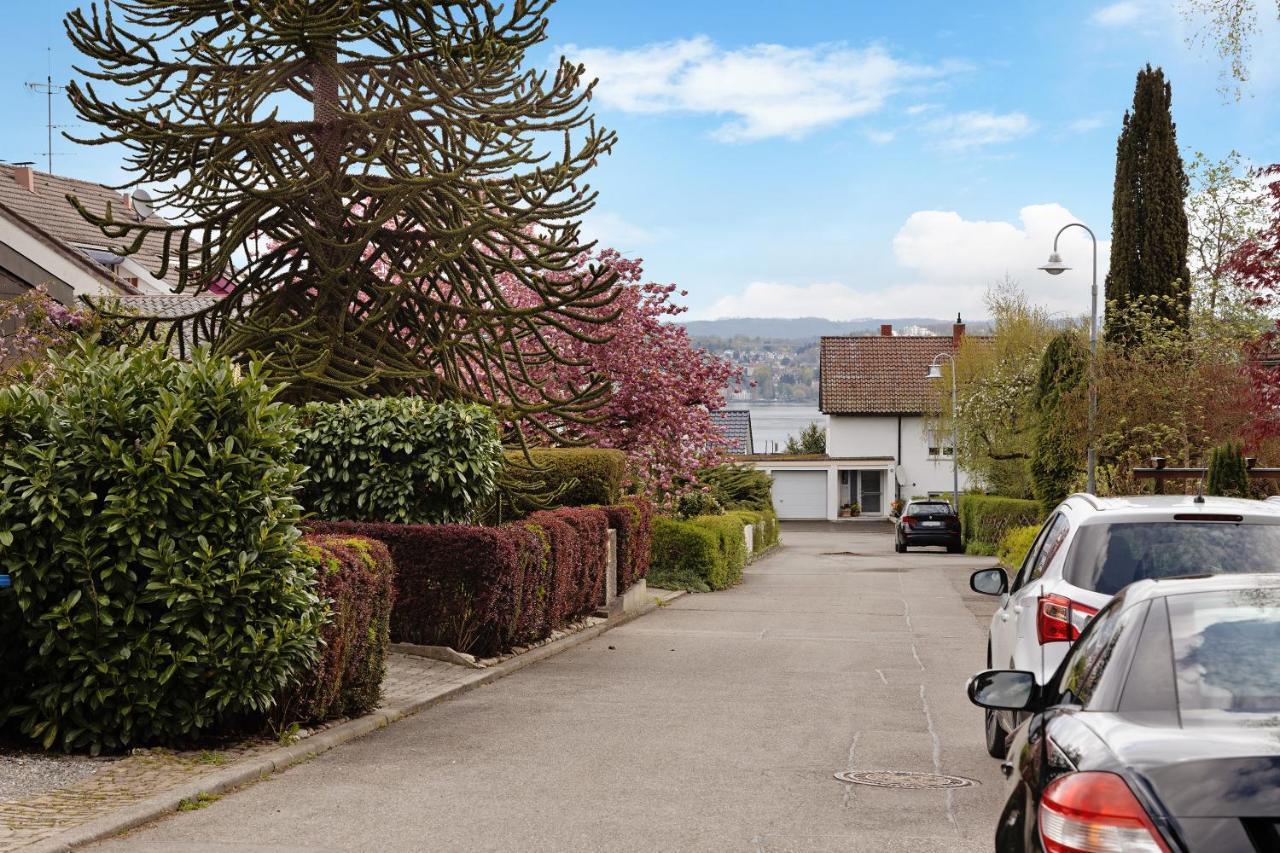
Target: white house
(880, 446)
(45, 242)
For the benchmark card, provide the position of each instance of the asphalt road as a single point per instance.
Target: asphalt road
(716, 723)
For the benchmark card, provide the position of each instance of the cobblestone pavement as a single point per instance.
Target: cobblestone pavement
(122, 782)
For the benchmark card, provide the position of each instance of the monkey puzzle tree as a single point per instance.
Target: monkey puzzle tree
(362, 175)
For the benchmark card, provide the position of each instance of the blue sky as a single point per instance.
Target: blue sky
(838, 159)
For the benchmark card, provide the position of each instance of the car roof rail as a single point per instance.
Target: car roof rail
(1085, 496)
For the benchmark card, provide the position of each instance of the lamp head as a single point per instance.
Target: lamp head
(935, 372)
(1055, 266)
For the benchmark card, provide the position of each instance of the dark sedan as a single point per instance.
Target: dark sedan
(1159, 732)
(928, 523)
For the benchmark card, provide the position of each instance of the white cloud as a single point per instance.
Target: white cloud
(617, 232)
(947, 264)
(881, 137)
(1120, 14)
(975, 129)
(1087, 124)
(767, 90)
(917, 109)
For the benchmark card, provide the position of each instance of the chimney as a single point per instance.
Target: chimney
(26, 177)
(886, 330)
(957, 332)
(128, 201)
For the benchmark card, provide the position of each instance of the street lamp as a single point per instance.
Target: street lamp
(1056, 266)
(935, 372)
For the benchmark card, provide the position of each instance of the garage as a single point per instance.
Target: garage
(800, 494)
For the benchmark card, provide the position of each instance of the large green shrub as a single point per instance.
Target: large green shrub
(696, 503)
(148, 517)
(1228, 472)
(400, 459)
(1015, 544)
(739, 487)
(1058, 452)
(984, 520)
(685, 555)
(569, 476)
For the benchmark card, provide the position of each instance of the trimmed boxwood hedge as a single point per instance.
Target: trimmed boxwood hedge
(1013, 548)
(765, 525)
(686, 555)
(985, 519)
(356, 576)
(577, 476)
(458, 585)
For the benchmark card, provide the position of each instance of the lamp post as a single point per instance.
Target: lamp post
(935, 372)
(1055, 266)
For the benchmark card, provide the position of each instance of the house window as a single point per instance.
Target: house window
(940, 444)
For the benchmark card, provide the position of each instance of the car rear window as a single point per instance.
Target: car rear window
(1224, 651)
(938, 508)
(1108, 557)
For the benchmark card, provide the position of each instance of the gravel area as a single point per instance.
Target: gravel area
(28, 774)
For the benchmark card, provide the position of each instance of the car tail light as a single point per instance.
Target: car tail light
(1095, 812)
(1059, 619)
(909, 520)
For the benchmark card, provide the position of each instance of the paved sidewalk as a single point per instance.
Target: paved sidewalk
(716, 723)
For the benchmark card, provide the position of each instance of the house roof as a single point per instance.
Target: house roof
(879, 375)
(735, 425)
(48, 210)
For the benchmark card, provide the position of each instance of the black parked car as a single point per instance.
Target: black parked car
(1159, 732)
(928, 523)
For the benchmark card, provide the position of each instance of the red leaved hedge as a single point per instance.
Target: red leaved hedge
(458, 585)
(592, 527)
(633, 522)
(563, 560)
(356, 575)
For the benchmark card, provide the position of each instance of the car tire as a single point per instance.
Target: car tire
(900, 547)
(996, 736)
(955, 549)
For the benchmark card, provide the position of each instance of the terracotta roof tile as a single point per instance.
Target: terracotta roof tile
(877, 375)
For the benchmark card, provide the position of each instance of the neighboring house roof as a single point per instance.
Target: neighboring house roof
(171, 305)
(735, 425)
(48, 210)
(878, 375)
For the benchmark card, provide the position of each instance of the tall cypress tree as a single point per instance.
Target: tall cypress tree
(375, 178)
(1149, 270)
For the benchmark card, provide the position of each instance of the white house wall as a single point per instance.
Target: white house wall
(43, 255)
(877, 435)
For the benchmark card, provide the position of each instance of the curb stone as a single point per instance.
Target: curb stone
(263, 766)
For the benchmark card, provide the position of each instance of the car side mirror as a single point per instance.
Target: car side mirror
(1004, 690)
(989, 581)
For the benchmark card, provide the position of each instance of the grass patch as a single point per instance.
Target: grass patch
(199, 801)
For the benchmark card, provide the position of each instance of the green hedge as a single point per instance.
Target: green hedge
(1013, 548)
(570, 476)
(149, 521)
(399, 459)
(707, 552)
(765, 524)
(985, 519)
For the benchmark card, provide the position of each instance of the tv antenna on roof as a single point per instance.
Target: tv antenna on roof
(48, 88)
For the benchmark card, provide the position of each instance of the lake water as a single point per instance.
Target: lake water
(773, 422)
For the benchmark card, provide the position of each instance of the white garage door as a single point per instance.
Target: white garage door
(800, 494)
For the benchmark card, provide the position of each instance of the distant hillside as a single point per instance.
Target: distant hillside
(808, 328)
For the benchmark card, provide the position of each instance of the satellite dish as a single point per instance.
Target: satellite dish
(142, 204)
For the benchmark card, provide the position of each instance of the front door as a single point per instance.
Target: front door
(869, 490)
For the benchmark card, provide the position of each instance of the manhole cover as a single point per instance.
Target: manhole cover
(904, 779)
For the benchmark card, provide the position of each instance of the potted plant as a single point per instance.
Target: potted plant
(855, 510)
(846, 510)
(895, 508)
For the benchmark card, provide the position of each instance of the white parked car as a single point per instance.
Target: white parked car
(1090, 549)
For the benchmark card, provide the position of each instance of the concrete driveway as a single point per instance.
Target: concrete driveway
(717, 723)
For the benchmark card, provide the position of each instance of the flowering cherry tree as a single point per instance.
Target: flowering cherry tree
(663, 388)
(31, 325)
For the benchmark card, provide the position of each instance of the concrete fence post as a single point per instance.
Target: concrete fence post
(611, 569)
(749, 535)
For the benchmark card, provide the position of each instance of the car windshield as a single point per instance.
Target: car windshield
(1109, 557)
(1224, 650)
(931, 508)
